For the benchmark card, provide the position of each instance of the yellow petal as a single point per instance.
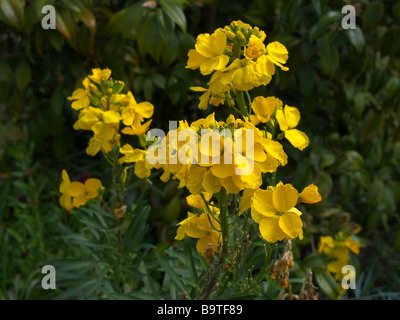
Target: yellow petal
(80, 200)
(92, 186)
(270, 229)
(142, 169)
(263, 202)
(212, 241)
(77, 188)
(280, 116)
(145, 109)
(292, 116)
(284, 197)
(297, 138)
(194, 179)
(291, 224)
(211, 183)
(111, 117)
(246, 200)
(196, 201)
(263, 107)
(195, 59)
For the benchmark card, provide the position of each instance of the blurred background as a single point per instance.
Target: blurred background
(345, 83)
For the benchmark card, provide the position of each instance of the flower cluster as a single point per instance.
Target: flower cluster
(207, 155)
(103, 108)
(203, 224)
(75, 194)
(338, 249)
(239, 59)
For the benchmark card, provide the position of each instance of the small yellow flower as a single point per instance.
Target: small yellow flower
(208, 55)
(288, 118)
(66, 199)
(98, 74)
(199, 226)
(82, 193)
(310, 194)
(274, 210)
(76, 194)
(80, 97)
(255, 48)
(264, 108)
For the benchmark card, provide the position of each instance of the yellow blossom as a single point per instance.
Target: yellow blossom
(274, 210)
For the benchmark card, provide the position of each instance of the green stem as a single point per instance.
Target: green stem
(242, 104)
(223, 208)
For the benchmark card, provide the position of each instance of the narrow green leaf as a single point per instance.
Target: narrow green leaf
(327, 284)
(171, 273)
(22, 75)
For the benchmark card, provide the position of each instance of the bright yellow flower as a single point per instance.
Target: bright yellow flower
(255, 47)
(196, 201)
(87, 118)
(310, 194)
(98, 74)
(80, 97)
(338, 249)
(130, 154)
(82, 193)
(264, 108)
(274, 210)
(76, 194)
(278, 54)
(288, 118)
(199, 226)
(66, 199)
(208, 55)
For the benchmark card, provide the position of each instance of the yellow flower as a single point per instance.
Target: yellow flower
(199, 226)
(208, 55)
(277, 54)
(134, 114)
(76, 194)
(65, 199)
(82, 193)
(274, 210)
(130, 154)
(288, 118)
(103, 139)
(80, 97)
(255, 48)
(310, 194)
(264, 108)
(338, 249)
(87, 118)
(138, 156)
(98, 74)
(196, 201)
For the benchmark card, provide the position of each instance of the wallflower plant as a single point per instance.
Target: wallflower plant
(228, 166)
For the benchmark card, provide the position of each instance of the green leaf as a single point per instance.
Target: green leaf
(327, 284)
(22, 75)
(6, 74)
(356, 38)
(329, 55)
(373, 14)
(189, 260)
(170, 272)
(151, 35)
(175, 12)
(13, 11)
